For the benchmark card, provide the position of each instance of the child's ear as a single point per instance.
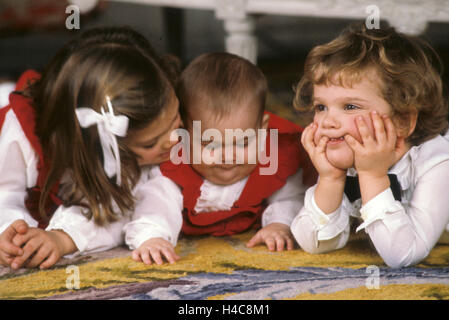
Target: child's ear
(265, 120)
(411, 125)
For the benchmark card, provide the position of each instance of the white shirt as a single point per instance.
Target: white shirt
(282, 205)
(5, 89)
(403, 232)
(18, 171)
(158, 208)
(158, 212)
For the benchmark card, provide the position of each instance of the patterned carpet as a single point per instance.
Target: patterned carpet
(224, 269)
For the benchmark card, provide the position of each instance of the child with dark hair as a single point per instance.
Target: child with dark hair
(77, 145)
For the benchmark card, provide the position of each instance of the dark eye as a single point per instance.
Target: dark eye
(149, 146)
(320, 107)
(351, 107)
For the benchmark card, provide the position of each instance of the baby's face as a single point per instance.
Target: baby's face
(225, 173)
(336, 109)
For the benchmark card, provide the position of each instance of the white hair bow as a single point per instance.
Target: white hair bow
(109, 126)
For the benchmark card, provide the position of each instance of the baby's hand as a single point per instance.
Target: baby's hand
(377, 152)
(317, 154)
(275, 235)
(8, 250)
(40, 248)
(152, 249)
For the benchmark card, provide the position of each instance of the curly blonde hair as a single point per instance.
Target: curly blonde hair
(408, 68)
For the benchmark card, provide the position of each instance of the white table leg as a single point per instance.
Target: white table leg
(239, 27)
(240, 38)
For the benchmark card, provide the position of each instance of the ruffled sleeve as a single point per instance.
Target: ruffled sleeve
(317, 232)
(285, 203)
(405, 232)
(86, 234)
(158, 211)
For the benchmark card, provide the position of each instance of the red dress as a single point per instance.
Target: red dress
(25, 114)
(247, 210)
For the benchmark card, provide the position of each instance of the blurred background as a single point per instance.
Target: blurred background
(31, 32)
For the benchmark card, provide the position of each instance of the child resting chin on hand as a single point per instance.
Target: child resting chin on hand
(377, 141)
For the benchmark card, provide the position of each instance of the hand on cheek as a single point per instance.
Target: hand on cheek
(330, 185)
(316, 148)
(375, 153)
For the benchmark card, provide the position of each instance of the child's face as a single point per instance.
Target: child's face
(336, 109)
(245, 117)
(152, 144)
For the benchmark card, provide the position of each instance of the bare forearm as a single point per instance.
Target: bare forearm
(329, 194)
(371, 186)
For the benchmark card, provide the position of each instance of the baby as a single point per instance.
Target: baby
(220, 184)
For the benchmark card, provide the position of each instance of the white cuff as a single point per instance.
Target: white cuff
(138, 233)
(329, 225)
(70, 226)
(378, 207)
(87, 236)
(281, 212)
(77, 240)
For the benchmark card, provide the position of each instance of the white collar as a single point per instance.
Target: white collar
(403, 169)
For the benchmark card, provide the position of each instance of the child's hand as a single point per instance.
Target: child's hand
(317, 154)
(377, 152)
(275, 235)
(8, 250)
(154, 249)
(40, 248)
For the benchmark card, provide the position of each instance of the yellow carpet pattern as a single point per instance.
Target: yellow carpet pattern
(227, 256)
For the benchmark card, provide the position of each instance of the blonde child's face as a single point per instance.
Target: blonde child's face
(152, 144)
(336, 109)
(245, 117)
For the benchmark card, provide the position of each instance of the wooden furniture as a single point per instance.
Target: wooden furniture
(408, 16)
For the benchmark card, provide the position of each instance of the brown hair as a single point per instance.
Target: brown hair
(408, 68)
(223, 79)
(117, 62)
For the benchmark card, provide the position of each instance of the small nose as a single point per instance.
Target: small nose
(330, 120)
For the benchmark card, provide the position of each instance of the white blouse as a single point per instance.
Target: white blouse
(18, 171)
(158, 208)
(18, 163)
(282, 205)
(5, 89)
(403, 232)
(158, 212)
